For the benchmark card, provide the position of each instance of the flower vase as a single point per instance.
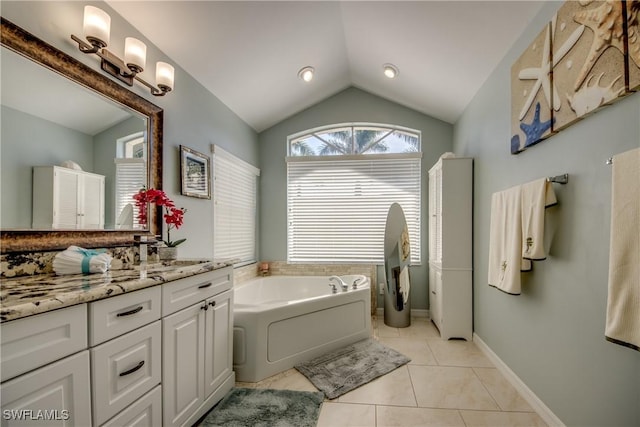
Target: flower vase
(167, 253)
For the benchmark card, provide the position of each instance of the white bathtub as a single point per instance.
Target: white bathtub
(283, 320)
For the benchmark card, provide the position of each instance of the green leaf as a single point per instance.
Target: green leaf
(175, 243)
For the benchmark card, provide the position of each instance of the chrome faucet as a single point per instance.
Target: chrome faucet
(355, 283)
(342, 283)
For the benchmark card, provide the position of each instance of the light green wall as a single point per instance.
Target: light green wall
(552, 336)
(350, 105)
(192, 115)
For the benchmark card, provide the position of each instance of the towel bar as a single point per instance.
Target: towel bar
(559, 179)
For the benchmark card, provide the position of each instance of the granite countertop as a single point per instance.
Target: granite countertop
(28, 295)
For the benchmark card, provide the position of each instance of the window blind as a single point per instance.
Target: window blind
(131, 176)
(337, 209)
(234, 194)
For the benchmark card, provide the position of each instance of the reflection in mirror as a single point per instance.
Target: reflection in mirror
(397, 258)
(86, 132)
(126, 143)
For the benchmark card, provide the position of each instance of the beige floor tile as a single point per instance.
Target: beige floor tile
(395, 416)
(502, 391)
(393, 388)
(420, 327)
(449, 387)
(347, 415)
(288, 380)
(386, 331)
(414, 348)
(458, 353)
(502, 419)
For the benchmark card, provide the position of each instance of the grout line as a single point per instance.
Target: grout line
(473, 369)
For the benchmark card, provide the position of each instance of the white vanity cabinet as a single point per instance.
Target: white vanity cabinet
(197, 345)
(450, 247)
(45, 369)
(67, 198)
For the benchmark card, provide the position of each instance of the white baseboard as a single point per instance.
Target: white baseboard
(418, 312)
(538, 405)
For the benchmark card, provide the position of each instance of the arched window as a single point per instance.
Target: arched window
(341, 180)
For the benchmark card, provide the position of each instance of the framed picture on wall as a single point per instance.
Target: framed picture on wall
(195, 175)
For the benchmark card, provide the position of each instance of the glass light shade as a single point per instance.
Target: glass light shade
(135, 53)
(306, 74)
(164, 74)
(96, 25)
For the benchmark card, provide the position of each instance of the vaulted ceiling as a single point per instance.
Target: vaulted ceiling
(248, 54)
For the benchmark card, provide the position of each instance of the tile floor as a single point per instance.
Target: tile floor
(447, 383)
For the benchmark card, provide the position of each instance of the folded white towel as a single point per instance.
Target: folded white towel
(536, 197)
(505, 233)
(77, 260)
(623, 303)
(404, 283)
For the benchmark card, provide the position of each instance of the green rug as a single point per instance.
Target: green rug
(265, 408)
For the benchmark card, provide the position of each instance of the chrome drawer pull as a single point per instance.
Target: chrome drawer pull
(206, 285)
(132, 370)
(130, 312)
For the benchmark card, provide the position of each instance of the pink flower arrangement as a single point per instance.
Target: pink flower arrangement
(172, 216)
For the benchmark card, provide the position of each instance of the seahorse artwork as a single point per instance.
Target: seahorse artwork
(633, 43)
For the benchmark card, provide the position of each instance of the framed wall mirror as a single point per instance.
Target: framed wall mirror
(59, 115)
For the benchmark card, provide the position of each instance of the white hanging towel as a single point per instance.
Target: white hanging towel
(77, 260)
(505, 235)
(623, 302)
(404, 283)
(536, 197)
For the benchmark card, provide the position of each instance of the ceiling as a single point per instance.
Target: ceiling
(248, 53)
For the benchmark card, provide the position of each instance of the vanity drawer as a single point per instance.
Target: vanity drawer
(124, 369)
(111, 317)
(145, 412)
(185, 292)
(34, 341)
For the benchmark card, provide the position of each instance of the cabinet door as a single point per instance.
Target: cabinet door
(91, 202)
(55, 395)
(435, 296)
(182, 364)
(218, 341)
(65, 199)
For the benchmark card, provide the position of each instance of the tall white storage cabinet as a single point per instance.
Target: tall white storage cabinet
(450, 247)
(67, 199)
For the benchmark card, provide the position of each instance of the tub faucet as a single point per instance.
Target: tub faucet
(342, 283)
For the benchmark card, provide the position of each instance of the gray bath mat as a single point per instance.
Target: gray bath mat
(342, 370)
(249, 407)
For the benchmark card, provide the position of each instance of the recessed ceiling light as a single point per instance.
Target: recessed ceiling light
(390, 70)
(306, 74)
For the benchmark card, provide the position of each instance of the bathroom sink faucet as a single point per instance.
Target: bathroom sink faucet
(342, 283)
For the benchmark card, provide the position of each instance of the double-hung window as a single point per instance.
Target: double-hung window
(341, 181)
(235, 184)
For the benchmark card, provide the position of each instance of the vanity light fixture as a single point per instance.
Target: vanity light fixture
(390, 70)
(96, 29)
(306, 74)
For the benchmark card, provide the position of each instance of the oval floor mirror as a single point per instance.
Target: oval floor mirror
(397, 257)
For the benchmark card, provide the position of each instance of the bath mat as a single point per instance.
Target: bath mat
(347, 368)
(265, 408)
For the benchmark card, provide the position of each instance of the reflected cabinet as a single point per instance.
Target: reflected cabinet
(450, 247)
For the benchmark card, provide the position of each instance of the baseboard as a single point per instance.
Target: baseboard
(538, 405)
(418, 312)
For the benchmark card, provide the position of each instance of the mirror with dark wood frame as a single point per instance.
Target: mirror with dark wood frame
(30, 47)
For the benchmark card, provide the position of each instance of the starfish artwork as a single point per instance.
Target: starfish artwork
(534, 130)
(606, 22)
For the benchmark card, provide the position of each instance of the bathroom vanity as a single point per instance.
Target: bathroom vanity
(150, 345)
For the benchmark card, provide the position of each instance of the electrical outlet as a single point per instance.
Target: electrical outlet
(381, 286)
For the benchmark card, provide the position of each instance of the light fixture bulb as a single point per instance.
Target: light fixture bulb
(306, 74)
(96, 26)
(135, 54)
(390, 70)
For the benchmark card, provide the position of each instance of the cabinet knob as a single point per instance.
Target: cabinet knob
(205, 307)
(212, 303)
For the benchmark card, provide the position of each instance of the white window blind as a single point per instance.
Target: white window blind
(234, 194)
(337, 208)
(131, 176)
